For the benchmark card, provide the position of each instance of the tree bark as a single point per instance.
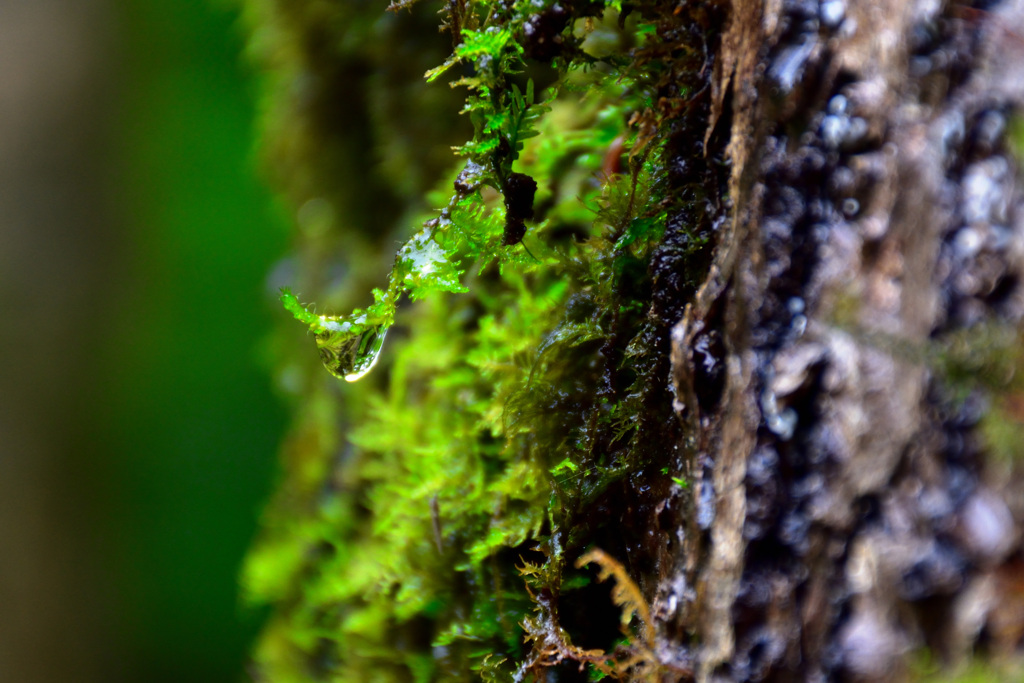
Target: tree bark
(844, 508)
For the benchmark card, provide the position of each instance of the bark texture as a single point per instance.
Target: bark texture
(844, 511)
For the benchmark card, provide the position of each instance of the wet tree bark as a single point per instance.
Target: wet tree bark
(844, 511)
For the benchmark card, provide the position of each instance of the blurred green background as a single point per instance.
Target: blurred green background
(138, 427)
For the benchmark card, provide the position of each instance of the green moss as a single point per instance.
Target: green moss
(925, 669)
(987, 360)
(430, 509)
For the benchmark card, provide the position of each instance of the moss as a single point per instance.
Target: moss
(987, 361)
(434, 510)
(976, 669)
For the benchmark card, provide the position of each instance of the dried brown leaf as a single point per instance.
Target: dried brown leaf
(626, 594)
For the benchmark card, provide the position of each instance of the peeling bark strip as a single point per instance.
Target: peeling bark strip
(844, 513)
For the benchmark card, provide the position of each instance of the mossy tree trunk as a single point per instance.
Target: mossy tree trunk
(784, 427)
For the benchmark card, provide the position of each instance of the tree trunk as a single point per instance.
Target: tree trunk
(845, 509)
(834, 291)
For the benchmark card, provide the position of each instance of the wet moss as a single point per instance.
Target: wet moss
(430, 516)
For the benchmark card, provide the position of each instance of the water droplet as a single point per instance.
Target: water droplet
(349, 349)
(421, 257)
(832, 12)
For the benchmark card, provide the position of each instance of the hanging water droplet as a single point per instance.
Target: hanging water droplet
(349, 347)
(349, 350)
